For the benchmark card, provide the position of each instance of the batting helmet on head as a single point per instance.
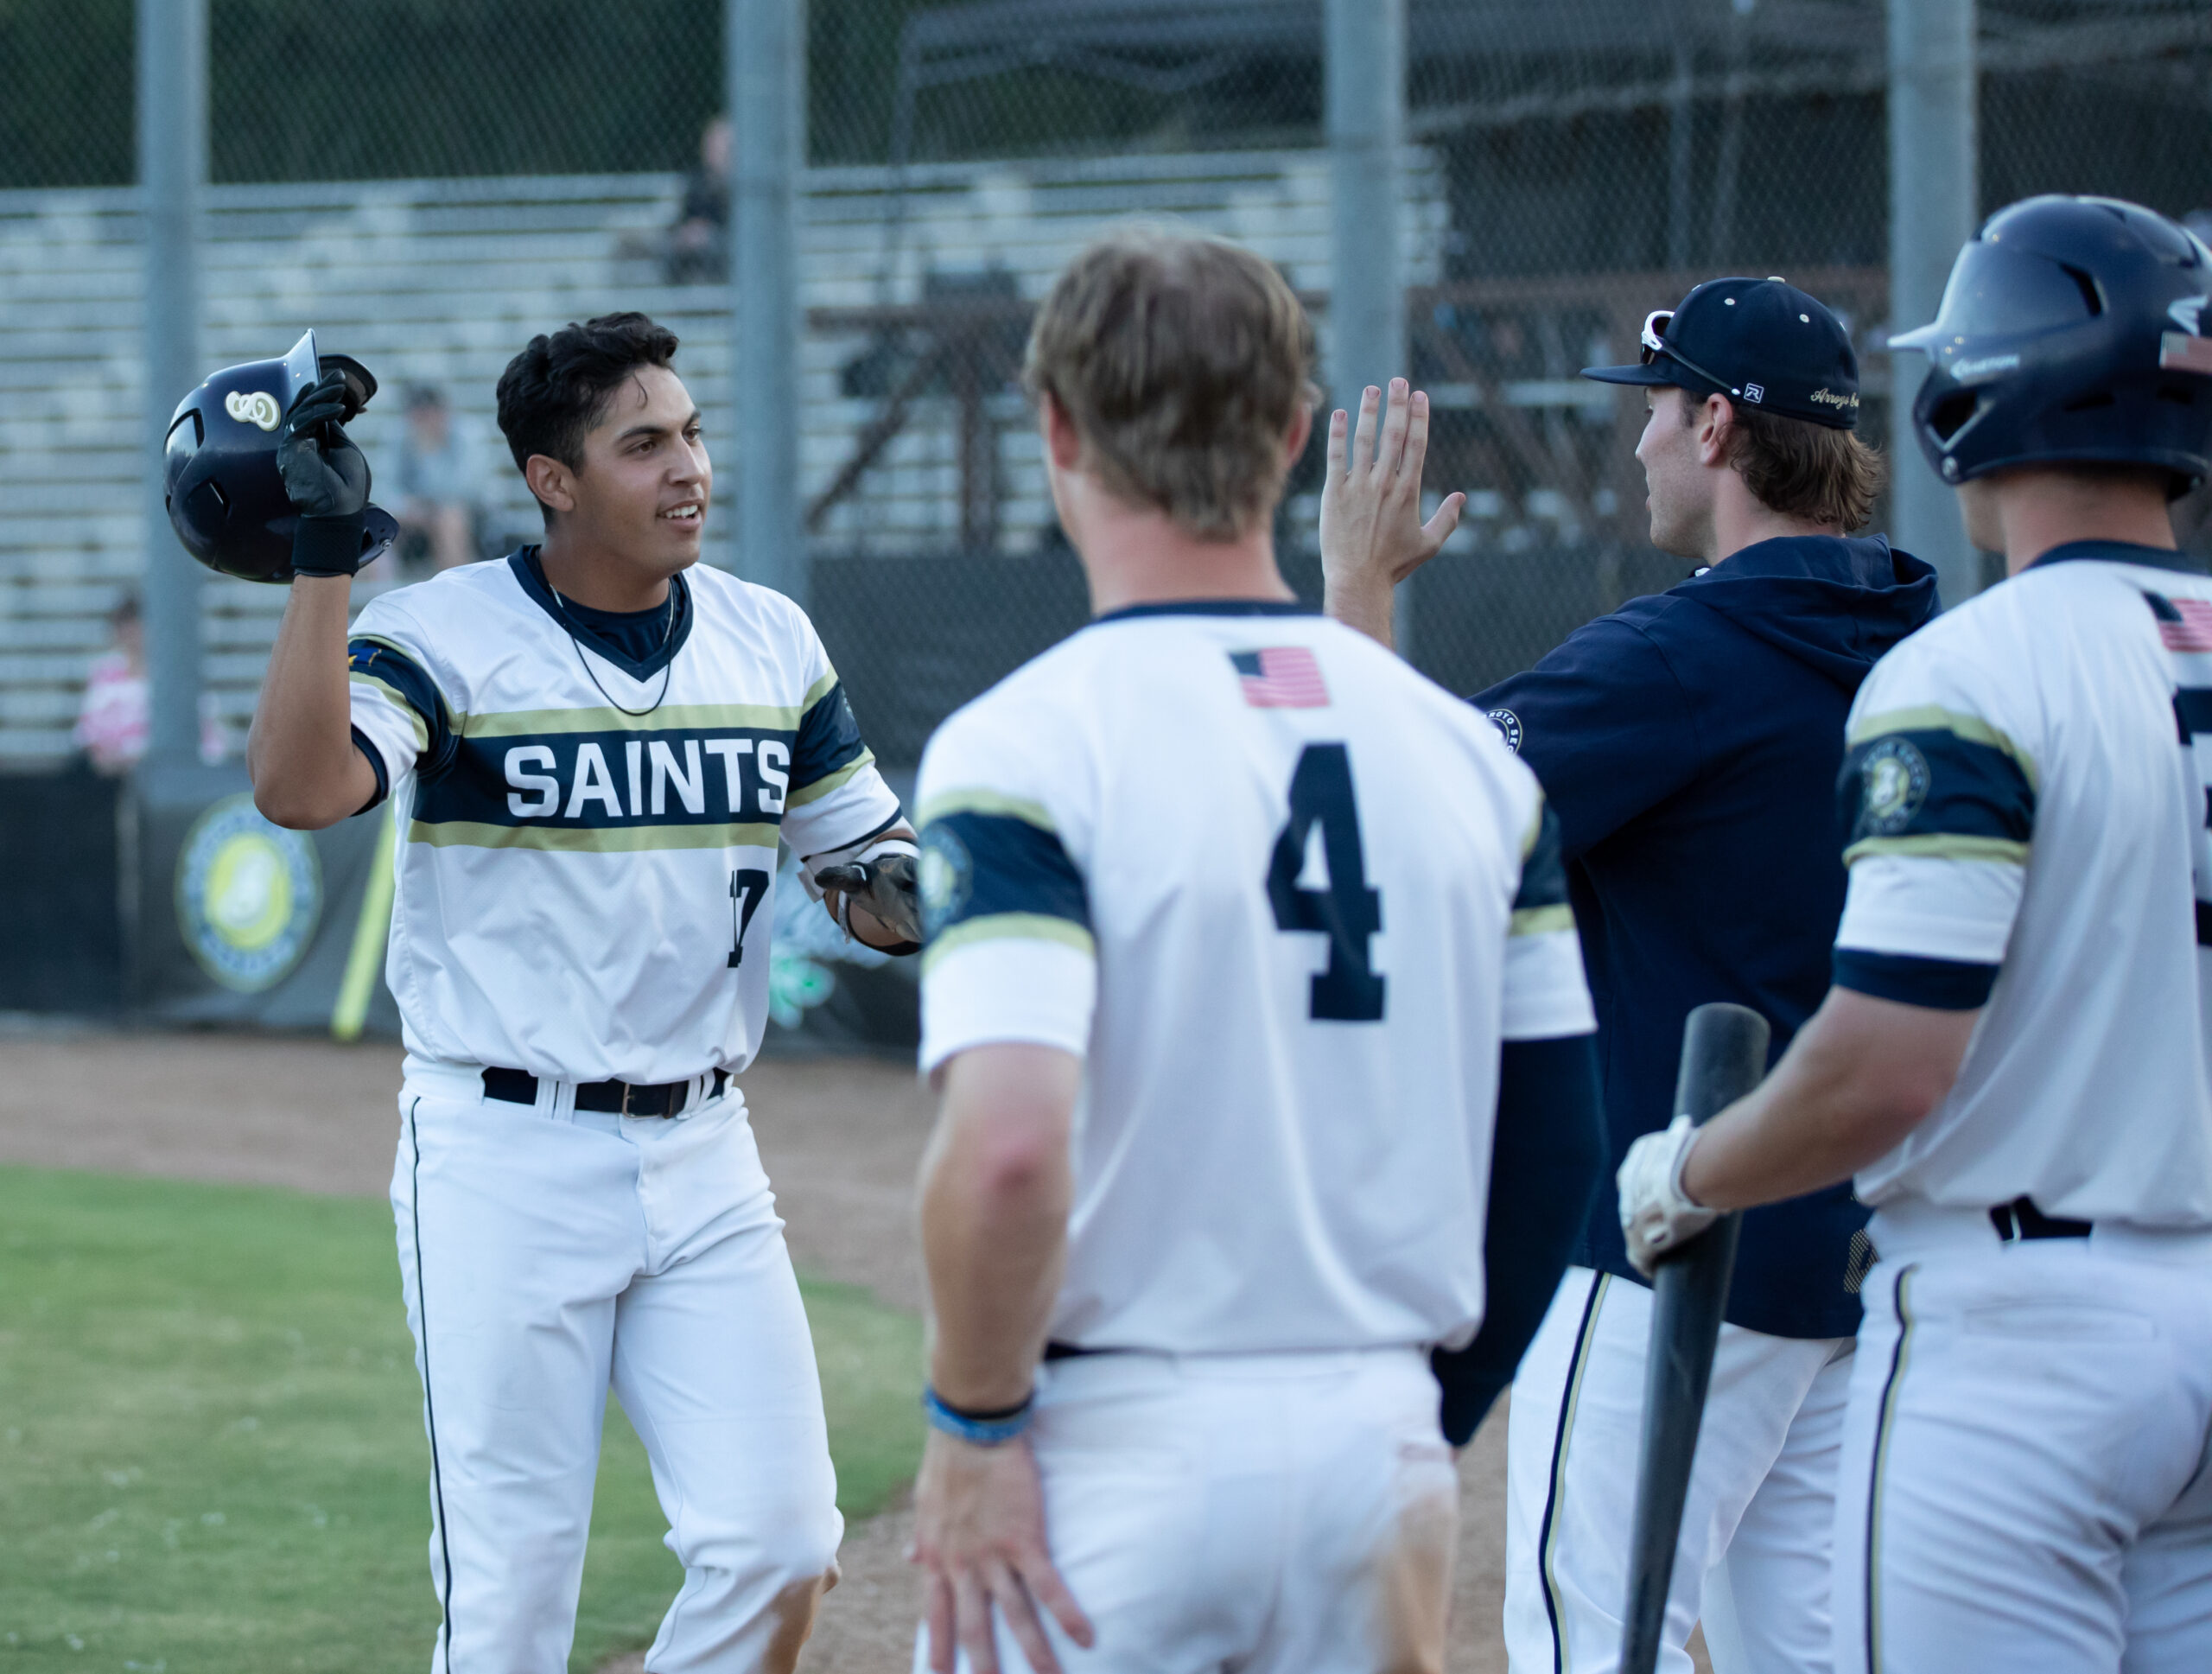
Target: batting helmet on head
(2073, 330)
(226, 500)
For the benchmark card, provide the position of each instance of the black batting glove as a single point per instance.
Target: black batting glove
(327, 479)
(885, 885)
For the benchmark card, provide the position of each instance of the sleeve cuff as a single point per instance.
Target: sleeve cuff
(362, 743)
(1005, 990)
(1912, 980)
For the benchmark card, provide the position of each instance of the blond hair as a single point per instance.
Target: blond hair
(1182, 361)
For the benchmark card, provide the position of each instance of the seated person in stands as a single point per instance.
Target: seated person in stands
(441, 483)
(112, 718)
(698, 243)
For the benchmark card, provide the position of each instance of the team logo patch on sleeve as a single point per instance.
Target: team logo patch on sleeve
(1280, 678)
(945, 878)
(1895, 779)
(1509, 725)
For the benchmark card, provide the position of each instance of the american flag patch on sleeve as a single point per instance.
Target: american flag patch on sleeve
(1280, 678)
(2190, 626)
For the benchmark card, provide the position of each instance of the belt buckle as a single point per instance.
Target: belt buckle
(627, 1090)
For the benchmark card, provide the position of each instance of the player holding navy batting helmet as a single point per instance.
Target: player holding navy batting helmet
(1689, 742)
(593, 749)
(2014, 1061)
(1253, 993)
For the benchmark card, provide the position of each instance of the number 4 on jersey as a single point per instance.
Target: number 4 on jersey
(1348, 912)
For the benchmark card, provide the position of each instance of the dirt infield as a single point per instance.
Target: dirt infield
(842, 1138)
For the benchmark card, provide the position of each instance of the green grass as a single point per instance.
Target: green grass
(211, 1440)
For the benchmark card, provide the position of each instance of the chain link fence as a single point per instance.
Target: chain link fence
(1570, 166)
(430, 181)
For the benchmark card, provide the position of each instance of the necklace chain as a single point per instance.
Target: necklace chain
(576, 631)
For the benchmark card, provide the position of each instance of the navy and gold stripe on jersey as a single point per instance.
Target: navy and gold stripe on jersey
(1539, 904)
(1936, 782)
(605, 780)
(993, 866)
(402, 679)
(827, 750)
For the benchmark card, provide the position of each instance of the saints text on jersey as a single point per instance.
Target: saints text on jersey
(701, 776)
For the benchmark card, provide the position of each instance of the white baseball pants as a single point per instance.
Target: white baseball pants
(546, 1253)
(1264, 1513)
(1753, 1558)
(2026, 1482)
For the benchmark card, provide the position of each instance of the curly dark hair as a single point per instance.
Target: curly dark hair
(555, 391)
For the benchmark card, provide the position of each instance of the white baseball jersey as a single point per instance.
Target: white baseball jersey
(2027, 788)
(586, 842)
(1285, 897)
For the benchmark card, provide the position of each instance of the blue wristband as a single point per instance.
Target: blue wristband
(984, 1430)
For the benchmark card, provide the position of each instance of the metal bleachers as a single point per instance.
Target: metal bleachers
(441, 281)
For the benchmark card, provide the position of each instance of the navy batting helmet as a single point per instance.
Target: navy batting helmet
(226, 500)
(2073, 330)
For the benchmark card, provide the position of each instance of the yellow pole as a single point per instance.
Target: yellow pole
(369, 933)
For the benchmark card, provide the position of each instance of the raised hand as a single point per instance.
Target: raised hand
(1372, 536)
(325, 475)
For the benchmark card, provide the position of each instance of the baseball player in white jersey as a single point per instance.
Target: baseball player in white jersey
(2015, 1059)
(591, 749)
(1228, 914)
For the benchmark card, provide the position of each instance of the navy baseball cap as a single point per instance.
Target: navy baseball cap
(1762, 343)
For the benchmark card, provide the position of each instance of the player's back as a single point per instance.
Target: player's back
(2037, 742)
(1290, 867)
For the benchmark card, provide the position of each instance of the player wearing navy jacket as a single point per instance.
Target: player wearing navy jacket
(1689, 742)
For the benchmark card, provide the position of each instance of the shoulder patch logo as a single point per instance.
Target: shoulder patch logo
(946, 873)
(1894, 780)
(257, 407)
(1509, 724)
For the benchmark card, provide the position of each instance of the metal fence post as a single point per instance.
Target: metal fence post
(1934, 206)
(172, 174)
(1364, 60)
(767, 53)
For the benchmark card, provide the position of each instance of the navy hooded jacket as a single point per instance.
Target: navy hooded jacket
(1689, 744)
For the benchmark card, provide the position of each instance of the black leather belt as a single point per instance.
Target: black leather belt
(2021, 1220)
(616, 1097)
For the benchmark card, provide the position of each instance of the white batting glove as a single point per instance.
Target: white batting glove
(1656, 1214)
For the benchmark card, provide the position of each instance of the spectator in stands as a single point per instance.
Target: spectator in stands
(698, 245)
(112, 720)
(441, 482)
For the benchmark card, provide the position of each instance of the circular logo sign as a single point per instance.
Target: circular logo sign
(1509, 723)
(249, 895)
(943, 877)
(1894, 783)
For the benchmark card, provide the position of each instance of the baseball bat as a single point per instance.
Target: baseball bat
(1723, 1056)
